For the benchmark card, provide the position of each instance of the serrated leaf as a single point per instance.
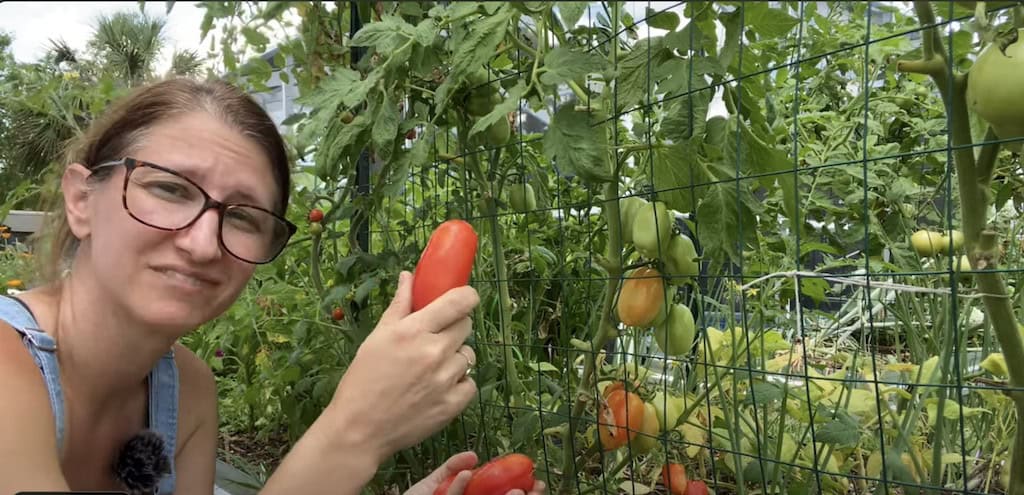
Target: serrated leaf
(407, 161)
(254, 37)
(425, 32)
(842, 431)
(364, 289)
(524, 427)
(475, 50)
(577, 145)
(768, 22)
(665, 19)
(385, 35)
(385, 125)
(685, 40)
(565, 64)
(763, 393)
(722, 211)
(686, 116)
(571, 12)
(501, 110)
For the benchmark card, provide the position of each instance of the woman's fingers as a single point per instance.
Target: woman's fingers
(458, 366)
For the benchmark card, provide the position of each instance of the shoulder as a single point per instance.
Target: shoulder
(197, 393)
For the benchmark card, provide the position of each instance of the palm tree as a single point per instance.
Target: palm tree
(129, 43)
(186, 63)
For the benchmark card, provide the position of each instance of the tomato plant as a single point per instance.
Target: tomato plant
(641, 298)
(501, 475)
(445, 263)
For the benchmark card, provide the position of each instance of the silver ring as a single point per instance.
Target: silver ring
(469, 362)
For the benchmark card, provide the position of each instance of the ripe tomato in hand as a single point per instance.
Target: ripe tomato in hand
(621, 417)
(446, 262)
(501, 475)
(674, 478)
(316, 215)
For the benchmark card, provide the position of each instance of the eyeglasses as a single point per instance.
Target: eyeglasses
(161, 198)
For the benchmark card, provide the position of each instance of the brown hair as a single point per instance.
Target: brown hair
(123, 127)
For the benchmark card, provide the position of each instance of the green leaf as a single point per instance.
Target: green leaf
(577, 145)
(407, 161)
(571, 12)
(385, 125)
(665, 19)
(425, 32)
(681, 40)
(525, 427)
(721, 213)
(254, 37)
(841, 431)
(676, 168)
(768, 22)
(474, 50)
(565, 64)
(385, 35)
(364, 289)
(762, 393)
(685, 117)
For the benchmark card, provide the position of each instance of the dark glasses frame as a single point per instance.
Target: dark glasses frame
(131, 164)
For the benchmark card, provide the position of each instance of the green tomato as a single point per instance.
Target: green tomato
(499, 132)
(627, 212)
(675, 336)
(316, 228)
(652, 229)
(668, 409)
(682, 257)
(522, 198)
(925, 242)
(995, 88)
(480, 102)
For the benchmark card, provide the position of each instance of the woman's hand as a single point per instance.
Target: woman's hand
(409, 377)
(460, 465)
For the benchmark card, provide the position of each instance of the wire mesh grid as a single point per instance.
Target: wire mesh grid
(793, 146)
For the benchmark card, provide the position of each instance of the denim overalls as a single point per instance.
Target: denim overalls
(163, 381)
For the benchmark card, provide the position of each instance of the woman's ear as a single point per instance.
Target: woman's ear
(75, 188)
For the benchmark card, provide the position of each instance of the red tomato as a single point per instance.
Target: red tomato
(442, 489)
(315, 215)
(674, 478)
(501, 475)
(338, 314)
(446, 262)
(614, 427)
(696, 487)
(411, 134)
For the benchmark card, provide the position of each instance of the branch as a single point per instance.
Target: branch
(987, 159)
(932, 43)
(934, 66)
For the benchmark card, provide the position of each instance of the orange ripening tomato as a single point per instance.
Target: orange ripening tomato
(674, 478)
(621, 416)
(446, 262)
(641, 297)
(502, 475)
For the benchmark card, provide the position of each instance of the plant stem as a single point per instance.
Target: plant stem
(605, 332)
(314, 264)
(974, 206)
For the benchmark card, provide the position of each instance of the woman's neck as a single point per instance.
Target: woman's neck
(104, 352)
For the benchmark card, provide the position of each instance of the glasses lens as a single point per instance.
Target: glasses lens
(162, 199)
(168, 201)
(253, 234)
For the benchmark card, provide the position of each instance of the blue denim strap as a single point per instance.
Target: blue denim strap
(163, 411)
(43, 350)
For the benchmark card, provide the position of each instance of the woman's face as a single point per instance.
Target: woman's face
(177, 278)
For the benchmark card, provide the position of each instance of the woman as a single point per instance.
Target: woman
(143, 251)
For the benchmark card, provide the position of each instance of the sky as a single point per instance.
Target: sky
(34, 23)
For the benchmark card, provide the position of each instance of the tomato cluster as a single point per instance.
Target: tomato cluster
(316, 215)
